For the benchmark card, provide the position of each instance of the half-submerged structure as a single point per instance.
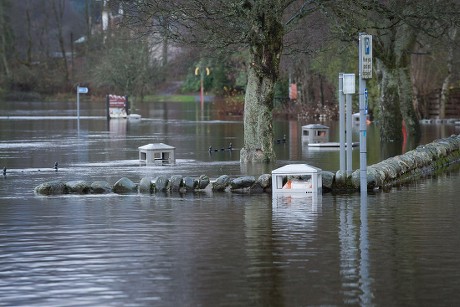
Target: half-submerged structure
(297, 178)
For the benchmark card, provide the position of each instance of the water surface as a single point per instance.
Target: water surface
(209, 249)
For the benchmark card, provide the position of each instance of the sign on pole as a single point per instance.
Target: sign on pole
(365, 72)
(82, 90)
(366, 57)
(349, 83)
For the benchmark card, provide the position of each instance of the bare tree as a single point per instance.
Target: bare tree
(6, 41)
(123, 65)
(58, 7)
(226, 25)
(451, 36)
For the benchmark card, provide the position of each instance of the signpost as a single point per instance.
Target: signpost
(365, 72)
(80, 90)
(341, 125)
(365, 48)
(201, 71)
(346, 89)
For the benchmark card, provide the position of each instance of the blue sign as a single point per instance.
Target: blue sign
(367, 46)
(82, 90)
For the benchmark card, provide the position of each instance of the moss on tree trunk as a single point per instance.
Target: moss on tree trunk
(258, 125)
(266, 44)
(390, 114)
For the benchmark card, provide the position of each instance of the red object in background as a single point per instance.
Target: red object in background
(404, 133)
(293, 91)
(117, 101)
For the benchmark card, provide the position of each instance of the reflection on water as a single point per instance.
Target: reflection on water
(210, 249)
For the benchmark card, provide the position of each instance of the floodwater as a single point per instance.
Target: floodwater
(396, 248)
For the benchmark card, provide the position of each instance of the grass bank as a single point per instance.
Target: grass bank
(165, 98)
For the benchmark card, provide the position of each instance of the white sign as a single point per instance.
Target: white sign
(366, 56)
(82, 90)
(349, 83)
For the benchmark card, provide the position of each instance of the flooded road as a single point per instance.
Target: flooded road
(209, 249)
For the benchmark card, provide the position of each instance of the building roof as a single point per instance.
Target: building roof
(296, 169)
(156, 146)
(315, 126)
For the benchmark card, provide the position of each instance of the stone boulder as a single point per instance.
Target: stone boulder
(160, 184)
(203, 182)
(78, 187)
(190, 183)
(257, 188)
(124, 185)
(328, 179)
(242, 182)
(265, 181)
(176, 183)
(100, 187)
(221, 183)
(145, 186)
(55, 187)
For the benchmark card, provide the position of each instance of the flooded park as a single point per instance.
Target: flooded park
(391, 248)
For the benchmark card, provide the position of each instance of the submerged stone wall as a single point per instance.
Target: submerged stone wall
(149, 185)
(420, 162)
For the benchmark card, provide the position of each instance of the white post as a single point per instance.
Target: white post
(349, 134)
(341, 125)
(348, 89)
(78, 108)
(365, 72)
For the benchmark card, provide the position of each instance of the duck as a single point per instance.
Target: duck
(56, 166)
(283, 140)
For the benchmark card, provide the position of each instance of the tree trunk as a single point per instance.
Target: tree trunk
(258, 126)
(4, 28)
(88, 21)
(390, 114)
(266, 42)
(59, 17)
(407, 104)
(29, 34)
(452, 33)
(393, 57)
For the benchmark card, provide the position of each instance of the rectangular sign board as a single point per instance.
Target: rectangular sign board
(82, 90)
(349, 83)
(366, 56)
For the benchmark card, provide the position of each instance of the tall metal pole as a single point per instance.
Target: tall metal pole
(341, 125)
(201, 87)
(78, 108)
(365, 72)
(349, 135)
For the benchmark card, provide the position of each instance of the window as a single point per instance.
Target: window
(321, 133)
(297, 182)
